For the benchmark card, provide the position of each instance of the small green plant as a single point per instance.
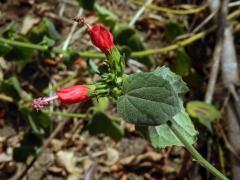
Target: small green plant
(152, 101)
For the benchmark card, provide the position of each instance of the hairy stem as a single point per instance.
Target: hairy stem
(195, 153)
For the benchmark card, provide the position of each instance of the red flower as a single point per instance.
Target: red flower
(101, 37)
(69, 95)
(73, 94)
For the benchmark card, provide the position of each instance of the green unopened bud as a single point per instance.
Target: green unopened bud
(116, 92)
(116, 61)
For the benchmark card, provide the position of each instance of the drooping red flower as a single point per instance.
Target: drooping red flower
(101, 37)
(69, 95)
(73, 94)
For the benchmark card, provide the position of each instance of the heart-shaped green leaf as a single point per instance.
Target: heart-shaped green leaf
(147, 99)
(162, 136)
(175, 80)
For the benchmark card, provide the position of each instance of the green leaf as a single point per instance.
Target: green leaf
(125, 51)
(20, 154)
(19, 53)
(176, 81)
(162, 136)
(15, 53)
(9, 29)
(105, 16)
(45, 28)
(194, 79)
(5, 49)
(172, 30)
(194, 108)
(87, 4)
(42, 118)
(51, 30)
(127, 36)
(11, 87)
(47, 41)
(147, 100)
(203, 112)
(101, 123)
(26, 115)
(29, 145)
(36, 119)
(100, 104)
(182, 63)
(69, 57)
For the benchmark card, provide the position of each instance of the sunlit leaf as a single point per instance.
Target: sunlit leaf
(205, 113)
(162, 136)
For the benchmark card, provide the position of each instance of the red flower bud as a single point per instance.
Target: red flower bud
(101, 37)
(73, 94)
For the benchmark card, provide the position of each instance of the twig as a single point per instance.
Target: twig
(172, 11)
(233, 4)
(80, 31)
(139, 13)
(74, 26)
(62, 8)
(217, 52)
(204, 22)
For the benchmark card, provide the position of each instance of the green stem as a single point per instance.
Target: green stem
(172, 11)
(92, 54)
(65, 114)
(172, 125)
(23, 44)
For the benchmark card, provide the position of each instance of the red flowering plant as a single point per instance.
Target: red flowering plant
(102, 38)
(150, 100)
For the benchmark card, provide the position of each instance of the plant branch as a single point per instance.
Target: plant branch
(171, 11)
(23, 44)
(139, 13)
(65, 114)
(223, 10)
(194, 152)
